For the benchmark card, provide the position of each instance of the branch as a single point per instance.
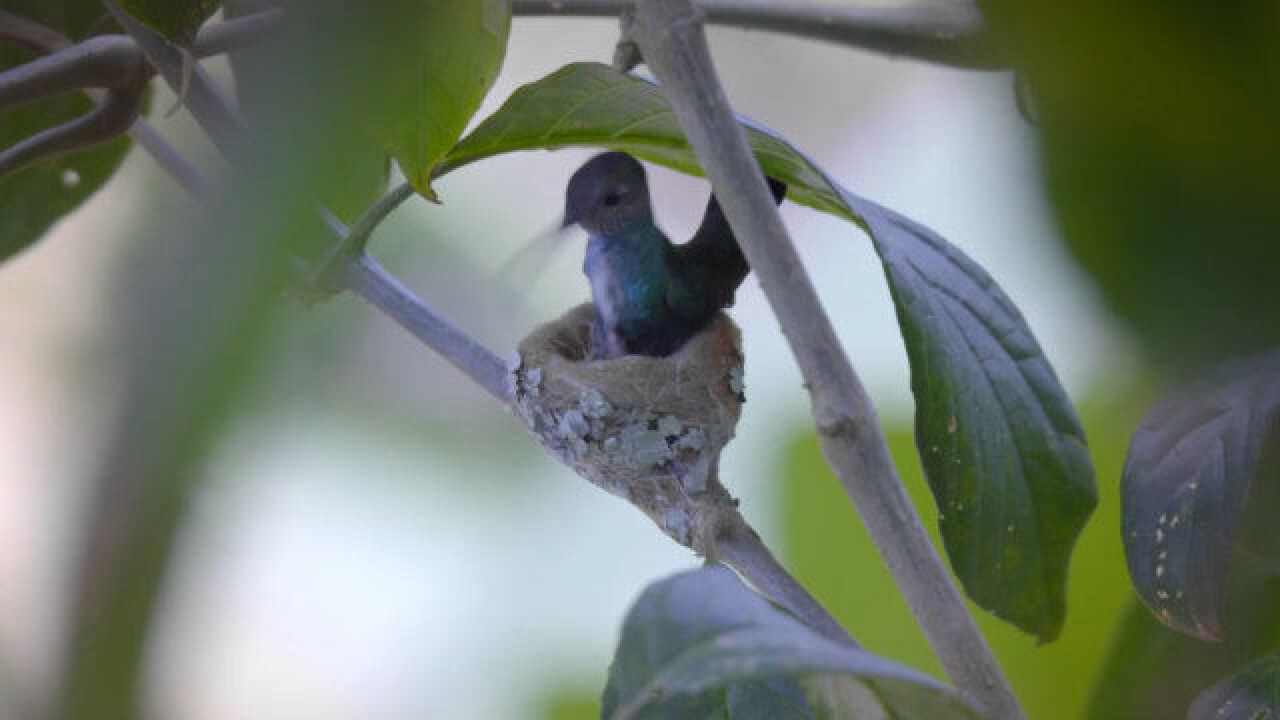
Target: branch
(106, 61)
(18, 30)
(113, 62)
(330, 273)
(208, 105)
(237, 32)
(368, 279)
(111, 118)
(671, 37)
(169, 159)
(741, 548)
(950, 34)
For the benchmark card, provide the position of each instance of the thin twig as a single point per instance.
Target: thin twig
(953, 34)
(671, 37)
(237, 32)
(105, 61)
(169, 159)
(111, 118)
(741, 548)
(25, 33)
(108, 61)
(370, 281)
(189, 81)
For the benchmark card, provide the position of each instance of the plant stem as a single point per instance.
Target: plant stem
(742, 549)
(671, 36)
(169, 159)
(189, 81)
(948, 34)
(368, 279)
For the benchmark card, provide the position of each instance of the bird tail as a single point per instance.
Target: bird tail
(714, 248)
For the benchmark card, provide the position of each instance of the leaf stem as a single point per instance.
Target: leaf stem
(675, 48)
(953, 34)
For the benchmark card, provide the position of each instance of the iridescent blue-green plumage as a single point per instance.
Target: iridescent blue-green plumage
(650, 295)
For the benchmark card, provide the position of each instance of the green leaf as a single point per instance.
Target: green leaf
(999, 440)
(690, 639)
(33, 199)
(1191, 468)
(177, 20)
(1251, 694)
(1015, 490)
(394, 77)
(286, 93)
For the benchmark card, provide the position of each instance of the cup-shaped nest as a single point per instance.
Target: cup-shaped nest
(647, 429)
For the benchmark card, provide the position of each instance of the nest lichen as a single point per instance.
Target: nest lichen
(649, 430)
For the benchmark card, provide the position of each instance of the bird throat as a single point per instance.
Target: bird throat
(628, 277)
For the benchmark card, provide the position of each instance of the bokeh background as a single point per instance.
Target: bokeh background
(375, 537)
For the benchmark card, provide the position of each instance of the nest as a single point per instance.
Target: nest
(649, 430)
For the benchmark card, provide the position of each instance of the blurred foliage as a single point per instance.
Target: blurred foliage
(1160, 124)
(196, 321)
(398, 77)
(570, 705)
(177, 20)
(33, 199)
(199, 318)
(827, 548)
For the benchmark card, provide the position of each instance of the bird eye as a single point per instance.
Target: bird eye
(612, 199)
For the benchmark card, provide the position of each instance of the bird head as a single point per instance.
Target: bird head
(606, 194)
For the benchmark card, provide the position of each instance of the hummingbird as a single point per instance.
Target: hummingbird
(650, 294)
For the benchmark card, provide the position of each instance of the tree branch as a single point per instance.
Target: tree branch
(950, 34)
(671, 37)
(741, 548)
(18, 30)
(169, 159)
(107, 61)
(211, 109)
(111, 118)
(366, 278)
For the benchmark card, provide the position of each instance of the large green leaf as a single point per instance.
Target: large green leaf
(394, 77)
(410, 72)
(177, 20)
(33, 199)
(1192, 466)
(285, 93)
(999, 440)
(1251, 694)
(701, 643)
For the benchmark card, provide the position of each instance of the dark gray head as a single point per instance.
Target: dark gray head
(608, 193)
